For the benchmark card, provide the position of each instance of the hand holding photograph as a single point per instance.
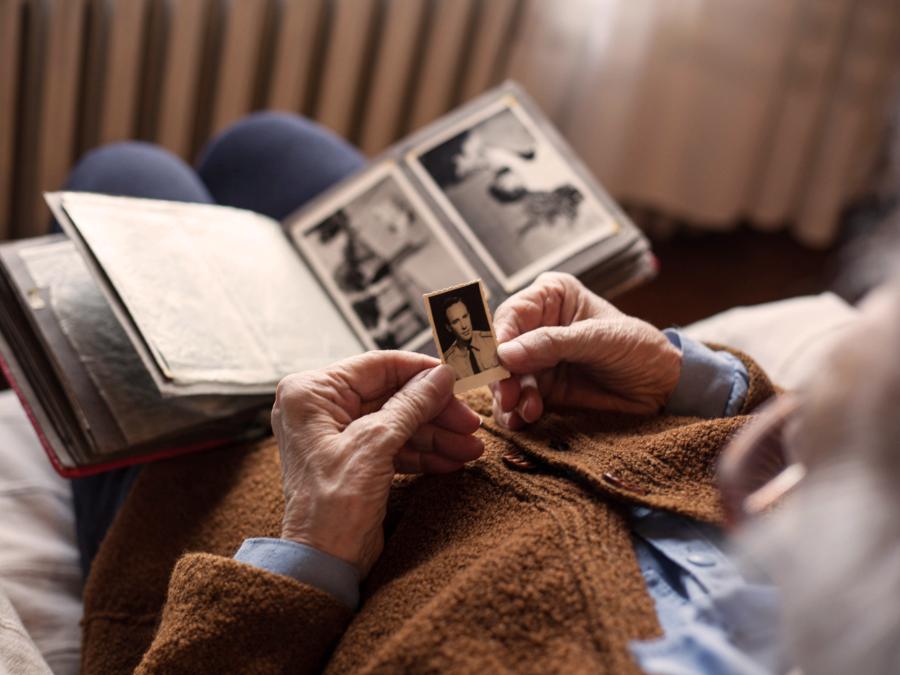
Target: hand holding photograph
(464, 334)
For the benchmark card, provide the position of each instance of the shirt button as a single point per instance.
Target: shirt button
(701, 560)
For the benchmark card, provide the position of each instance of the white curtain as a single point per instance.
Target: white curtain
(771, 112)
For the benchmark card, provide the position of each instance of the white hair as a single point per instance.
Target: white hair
(833, 547)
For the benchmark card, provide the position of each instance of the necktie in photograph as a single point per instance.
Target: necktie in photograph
(473, 361)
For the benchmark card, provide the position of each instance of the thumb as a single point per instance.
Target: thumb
(546, 347)
(420, 400)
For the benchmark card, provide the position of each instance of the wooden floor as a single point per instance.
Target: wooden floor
(702, 274)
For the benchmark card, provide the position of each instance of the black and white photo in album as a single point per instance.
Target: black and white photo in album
(464, 334)
(375, 247)
(511, 194)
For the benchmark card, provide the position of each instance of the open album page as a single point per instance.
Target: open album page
(218, 294)
(104, 350)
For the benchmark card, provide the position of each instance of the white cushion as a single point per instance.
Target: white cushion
(39, 570)
(18, 653)
(787, 338)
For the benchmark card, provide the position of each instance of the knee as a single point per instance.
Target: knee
(269, 130)
(110, 163)
(272, 162)
(269, 123)
(137, 169)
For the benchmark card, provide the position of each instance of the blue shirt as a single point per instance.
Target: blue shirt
(714, 619)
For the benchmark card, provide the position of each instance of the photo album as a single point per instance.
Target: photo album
(154, 328)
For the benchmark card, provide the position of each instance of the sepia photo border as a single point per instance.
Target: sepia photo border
(301, 227)
(484, 377)
(512, 283)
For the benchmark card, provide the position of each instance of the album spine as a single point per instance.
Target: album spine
(155, 456)
(62, 470)
(102, 467)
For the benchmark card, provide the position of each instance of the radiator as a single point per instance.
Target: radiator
(75, 74)
(711, 112)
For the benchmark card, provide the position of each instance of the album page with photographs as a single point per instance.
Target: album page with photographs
(155, 328)
(489, 192)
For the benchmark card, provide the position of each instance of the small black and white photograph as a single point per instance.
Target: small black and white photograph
(376, 253)
(510, 192)
(464, 334)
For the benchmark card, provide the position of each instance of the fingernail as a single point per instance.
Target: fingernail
(474, 416)
(528, 411)
(511, 421)
(510, 351)
(521, 410)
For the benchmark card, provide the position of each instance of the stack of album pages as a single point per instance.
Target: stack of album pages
(153, 328)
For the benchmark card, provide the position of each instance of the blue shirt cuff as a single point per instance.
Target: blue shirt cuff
(304, 563)
(712, 384)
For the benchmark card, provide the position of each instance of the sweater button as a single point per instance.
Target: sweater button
(516, 460)
(616, 482)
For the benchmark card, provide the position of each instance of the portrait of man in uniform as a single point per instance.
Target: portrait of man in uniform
(473, 351)
(464, 336)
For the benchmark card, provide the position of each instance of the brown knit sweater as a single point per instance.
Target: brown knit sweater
(498, 567)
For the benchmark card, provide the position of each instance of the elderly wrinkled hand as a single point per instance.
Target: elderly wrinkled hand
(567, 347)
(344, 431)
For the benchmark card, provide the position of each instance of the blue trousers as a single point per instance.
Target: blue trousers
(270, 163)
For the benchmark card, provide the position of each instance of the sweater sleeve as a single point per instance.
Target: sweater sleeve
(222, 615)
